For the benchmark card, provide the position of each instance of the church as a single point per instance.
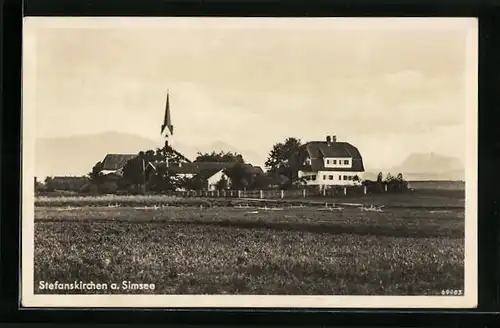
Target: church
(207, 174)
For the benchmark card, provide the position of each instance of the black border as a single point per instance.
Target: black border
(489, 155)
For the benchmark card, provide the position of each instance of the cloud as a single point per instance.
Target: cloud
(252, 87)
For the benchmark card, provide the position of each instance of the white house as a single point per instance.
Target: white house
(214, 179)
(210, 173)
(331, 163)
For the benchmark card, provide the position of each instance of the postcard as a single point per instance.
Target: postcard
(249, 162)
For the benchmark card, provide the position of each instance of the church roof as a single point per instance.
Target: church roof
(167, 121)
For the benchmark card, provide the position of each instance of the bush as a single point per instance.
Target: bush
(108, 187)
(68, 183)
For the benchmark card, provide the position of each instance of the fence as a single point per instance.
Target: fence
(270, 194)
(308, 191)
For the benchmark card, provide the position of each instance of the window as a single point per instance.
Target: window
(330, 177)
(324, 177)
(340, 177)
(346, 162)
(349, 177)
(345, 177)
(334, 161)
(327, 161)
(313, 177)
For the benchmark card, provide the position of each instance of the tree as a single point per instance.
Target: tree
(261, 181)
(239, 176)
(380, 177)
(225, 157)
(286, 158)
(162, 179)
(49, 186)
(39, 186)
(400, 183)
(133, 171)
(95, 175)
(222, 183)
(149, 156)
(136, 170)
(168, 154)
(389, 177)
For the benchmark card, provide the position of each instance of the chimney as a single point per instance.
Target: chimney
(334, 138)
(328, 139)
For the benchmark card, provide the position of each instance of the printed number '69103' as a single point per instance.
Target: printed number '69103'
(452, 292)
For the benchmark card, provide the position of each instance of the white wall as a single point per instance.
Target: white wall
(214, 179)
(332, 162)
(331, 178)
(312, 175)
(337, 178)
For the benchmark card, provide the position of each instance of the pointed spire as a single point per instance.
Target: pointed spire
(167, 122)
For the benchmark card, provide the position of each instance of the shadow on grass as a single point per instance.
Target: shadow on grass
(411, 229)
(336, 229)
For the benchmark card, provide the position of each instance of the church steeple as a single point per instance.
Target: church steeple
(167, 122)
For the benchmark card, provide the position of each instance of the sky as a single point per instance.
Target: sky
(390, 87)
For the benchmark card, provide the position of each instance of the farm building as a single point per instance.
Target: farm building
(114, 163)
(184, 170)
(210, 173)
(331, 163)
(204, 174)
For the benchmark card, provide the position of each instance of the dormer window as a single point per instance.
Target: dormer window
(334, 161)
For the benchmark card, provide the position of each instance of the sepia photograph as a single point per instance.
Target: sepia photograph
(249, 162)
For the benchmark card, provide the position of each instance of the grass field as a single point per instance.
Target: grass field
(417, 199)
(229, 250)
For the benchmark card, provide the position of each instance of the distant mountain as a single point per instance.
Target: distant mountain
(76, 155)
(425, 166)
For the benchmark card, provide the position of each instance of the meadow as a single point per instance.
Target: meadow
(217, 249)
(417, 199)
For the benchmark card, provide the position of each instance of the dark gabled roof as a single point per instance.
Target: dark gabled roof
(206, 168)
(116, 161)
(185, 168)
(317, 150)
(203, 176)
(249, 168)
(213, 165)
(227, 165)
(184, 158)
(258, 170)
